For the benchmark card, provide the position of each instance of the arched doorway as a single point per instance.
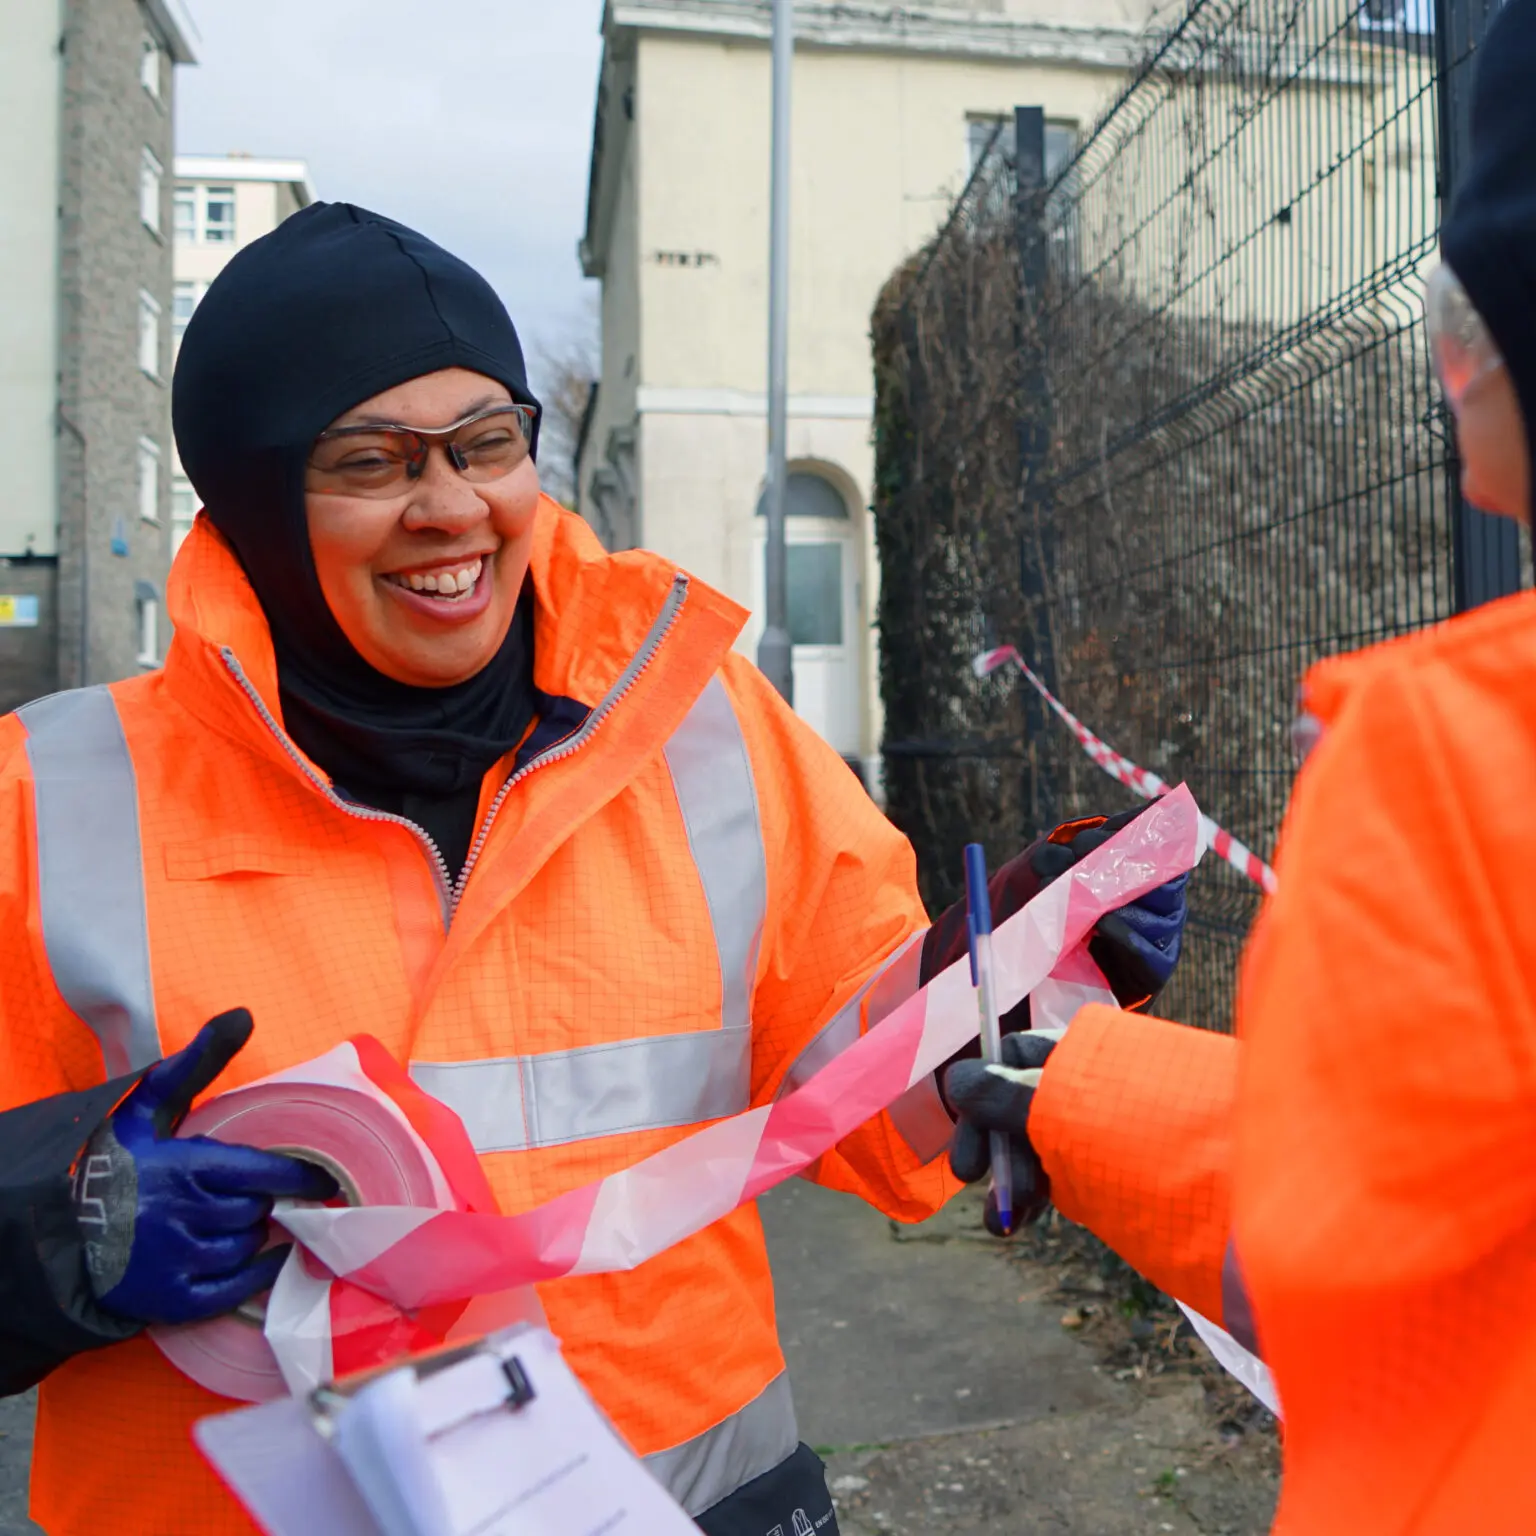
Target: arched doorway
(823, 602)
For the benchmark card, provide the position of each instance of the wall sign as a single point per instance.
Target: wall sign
(18, 612)
(685, 258)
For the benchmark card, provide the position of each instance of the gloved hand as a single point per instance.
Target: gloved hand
(1136, 947)
(997, 1098)
(174, 1229)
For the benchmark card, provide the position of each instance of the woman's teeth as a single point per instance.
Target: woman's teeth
(451, 585)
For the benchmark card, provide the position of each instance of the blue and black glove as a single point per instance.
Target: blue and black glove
(1136, 947)
(176, 1230)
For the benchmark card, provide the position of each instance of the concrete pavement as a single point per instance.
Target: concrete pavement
(15, 1454)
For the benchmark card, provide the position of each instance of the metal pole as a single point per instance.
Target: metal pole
(1036, 544)
(1485, 550)
(775, 655)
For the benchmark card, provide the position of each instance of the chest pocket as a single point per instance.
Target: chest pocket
(514, 1103)
(238, 854)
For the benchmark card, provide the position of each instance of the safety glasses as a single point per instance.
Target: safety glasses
(1459, 341)
(373, 459)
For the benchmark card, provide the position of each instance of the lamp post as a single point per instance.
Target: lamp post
(775, 654)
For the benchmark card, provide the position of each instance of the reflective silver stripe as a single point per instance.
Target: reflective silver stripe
(518, 1102)
(918, 1116)
(920, 1119)
(90, 871)
(712, 775)
(513, 1103)
(712, 1466)
(890, 986)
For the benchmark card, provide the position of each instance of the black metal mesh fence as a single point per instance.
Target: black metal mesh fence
(1168, 425)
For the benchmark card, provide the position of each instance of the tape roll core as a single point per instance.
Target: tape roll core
(360, 1140)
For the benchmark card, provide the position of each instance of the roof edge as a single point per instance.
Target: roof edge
(180, 31)
(873, 25)
(293, 173)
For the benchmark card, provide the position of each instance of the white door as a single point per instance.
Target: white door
(824, 622)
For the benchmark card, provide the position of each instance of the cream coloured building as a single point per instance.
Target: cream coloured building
(889, 106)
(221, 204)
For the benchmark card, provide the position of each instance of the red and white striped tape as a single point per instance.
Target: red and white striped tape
(1141, 780)
(427, 1260)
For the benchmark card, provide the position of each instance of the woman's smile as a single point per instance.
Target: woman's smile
(450, 591)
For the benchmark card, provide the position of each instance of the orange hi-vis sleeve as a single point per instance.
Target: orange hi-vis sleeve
(1385, 1163)
(1133, 1123)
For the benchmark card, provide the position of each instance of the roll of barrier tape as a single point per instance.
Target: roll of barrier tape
(362, 1140)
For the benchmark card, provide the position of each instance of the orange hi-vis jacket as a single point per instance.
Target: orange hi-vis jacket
(679, 903)
(1368, 1149)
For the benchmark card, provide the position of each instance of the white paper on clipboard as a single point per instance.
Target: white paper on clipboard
(445, 1456)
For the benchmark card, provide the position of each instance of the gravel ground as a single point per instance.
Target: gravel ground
(1056, 1391)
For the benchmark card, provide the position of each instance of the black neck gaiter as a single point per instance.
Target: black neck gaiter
(421, 741)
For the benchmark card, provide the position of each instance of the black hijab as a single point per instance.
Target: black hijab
(336, 305)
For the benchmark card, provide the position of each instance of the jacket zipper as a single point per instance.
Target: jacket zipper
(449, 892)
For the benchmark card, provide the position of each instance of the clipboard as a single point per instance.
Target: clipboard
(496, 1438)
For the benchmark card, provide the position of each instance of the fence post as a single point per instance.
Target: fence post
(1485, 550)
(1034, 433)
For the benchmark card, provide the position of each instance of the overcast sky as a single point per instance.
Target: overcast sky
(470, 120)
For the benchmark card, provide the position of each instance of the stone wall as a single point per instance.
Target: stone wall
(108, 555)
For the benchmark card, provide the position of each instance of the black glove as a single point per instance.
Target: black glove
(987, 1099)
(1137, 947)
(175, 1228)
(48, 1313)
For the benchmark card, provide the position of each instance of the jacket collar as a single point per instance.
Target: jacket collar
(594, 613)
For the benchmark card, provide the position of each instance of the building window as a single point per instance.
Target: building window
(149, 67)
(219, 215)
(183, 510)
(149, 335)
(814, 593)
(185, 205)
(149, 480)
(814, 567)
(1409, 19)
(1060, 141)
(205, 215)
(151, 173)
(185, 301)
(808, 495)
(147, 601)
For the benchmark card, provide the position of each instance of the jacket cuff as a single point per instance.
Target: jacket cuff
(1133, 1123)
(48, 1312)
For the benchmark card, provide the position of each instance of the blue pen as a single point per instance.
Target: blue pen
(979, 923)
